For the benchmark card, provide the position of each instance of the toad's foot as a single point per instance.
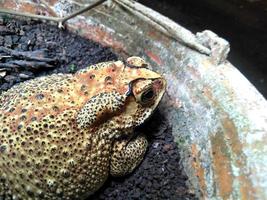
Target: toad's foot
(127, 156)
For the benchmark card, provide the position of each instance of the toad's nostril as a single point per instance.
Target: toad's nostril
(158, 84)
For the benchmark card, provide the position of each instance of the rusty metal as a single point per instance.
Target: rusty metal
(219, 119)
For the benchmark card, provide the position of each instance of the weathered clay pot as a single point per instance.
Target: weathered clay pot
(219, 119)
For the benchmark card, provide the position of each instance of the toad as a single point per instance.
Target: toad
(62, 135)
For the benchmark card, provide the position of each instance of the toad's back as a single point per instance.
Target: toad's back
(42, 144)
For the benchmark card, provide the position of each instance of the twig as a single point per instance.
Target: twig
(1, 57)
(60, 21)
(164, 24)
(26, 64)
(31, 64)
(89, 7)
(7, 65)
(38, 55)
(5, 69)
(27, 59)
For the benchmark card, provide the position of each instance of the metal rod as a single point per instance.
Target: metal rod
(42, 17)
(89, 7)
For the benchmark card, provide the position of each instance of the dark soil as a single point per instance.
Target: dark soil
(159, 176)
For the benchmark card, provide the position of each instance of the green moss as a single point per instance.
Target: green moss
(72, 68)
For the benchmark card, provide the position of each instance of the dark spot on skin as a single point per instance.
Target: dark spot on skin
(28, 164)
(144, 65)
(20, 127)
(5, 130)
(83, 87)
(3, 148)
(39, 153)
(41, 194)
(55, 108)
(23, 110)
(108, 80)
(92, 76)
(12, 110)
(59, 90)
(30, 193)
(52, 126)
(65, 174)
(23, 117)
(65, 153)
(39, 96)
(33, 119)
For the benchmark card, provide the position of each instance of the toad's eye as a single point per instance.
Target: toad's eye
(147, 96)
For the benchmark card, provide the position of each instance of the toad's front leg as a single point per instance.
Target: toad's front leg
(127, 155)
